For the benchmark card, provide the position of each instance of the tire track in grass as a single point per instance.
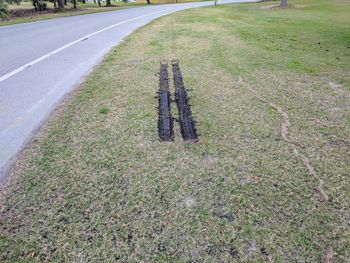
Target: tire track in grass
(165, 119)
(187, 123)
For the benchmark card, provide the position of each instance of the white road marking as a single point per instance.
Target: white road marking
(18, 70)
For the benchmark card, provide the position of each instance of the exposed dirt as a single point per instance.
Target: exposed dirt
(165, 119)
(267, 7)
(21, 12)
(31, 12)
(329, 255)
(187, 123)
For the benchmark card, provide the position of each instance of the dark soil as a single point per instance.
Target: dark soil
(165, 120)
(112, 5)
(31, 12)
(187, 123)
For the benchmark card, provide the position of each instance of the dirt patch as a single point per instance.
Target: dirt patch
(31, 12)
(269, 7)
(187, 123)
(165, 119)
(329, 255)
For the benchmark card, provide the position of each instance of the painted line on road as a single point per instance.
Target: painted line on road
(28, 65)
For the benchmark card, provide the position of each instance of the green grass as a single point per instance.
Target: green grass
(101, 187)
(104, 110)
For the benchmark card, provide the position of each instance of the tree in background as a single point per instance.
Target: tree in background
(148, 2)
(3, 8)
(39, 5)
(283, 3)
(74, 2)
(108, 3)
(54, 3)
(60, 4)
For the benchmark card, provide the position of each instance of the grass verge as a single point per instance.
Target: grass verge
(267, 180)
(23, 16)
(69, 11)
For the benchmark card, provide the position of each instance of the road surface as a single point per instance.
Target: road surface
(43, 61)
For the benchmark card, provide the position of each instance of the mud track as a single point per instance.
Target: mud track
(165, 119)
(187, 123)
(324, 197)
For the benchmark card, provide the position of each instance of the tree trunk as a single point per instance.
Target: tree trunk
(99, 3)
(149, 2)
(75, 4)
(108, 2)
(60, 4)
(283, 3)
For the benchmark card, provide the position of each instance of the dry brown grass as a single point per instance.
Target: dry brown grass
(101, 187)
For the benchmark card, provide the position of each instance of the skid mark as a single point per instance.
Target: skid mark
(165, 119)
(187, 123)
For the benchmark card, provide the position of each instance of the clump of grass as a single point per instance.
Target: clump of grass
(104, 110)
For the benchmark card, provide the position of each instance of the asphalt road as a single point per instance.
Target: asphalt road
(43, 61)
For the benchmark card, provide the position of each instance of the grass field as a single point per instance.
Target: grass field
(268, 179)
